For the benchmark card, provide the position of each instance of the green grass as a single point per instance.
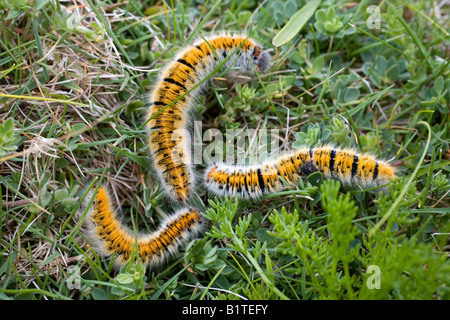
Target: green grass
(74, 85)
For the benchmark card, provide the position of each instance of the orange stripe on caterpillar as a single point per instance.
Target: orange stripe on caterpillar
(172, 99)
(252, 182)
(109, 236)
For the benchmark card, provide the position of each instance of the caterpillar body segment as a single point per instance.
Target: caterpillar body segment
(110, 236)
(173, 97)
(252, 182)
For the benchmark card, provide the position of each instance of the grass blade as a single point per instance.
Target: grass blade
(296, 22)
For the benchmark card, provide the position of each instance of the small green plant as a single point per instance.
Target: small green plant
(438, 96)
(223, 213)
(339, 130)
(202, 256)
(350, 250)
(241, 104)
(283, 10)
(440, 183)
(15, 7)
(71, 23)
(386, 71)
(314, 136)
(329, 24)
(369, 142)
(347, 88)
(8, 137)
(60, 196)
(130, 280)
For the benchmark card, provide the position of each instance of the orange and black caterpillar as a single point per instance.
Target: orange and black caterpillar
(173, 96)
(253, 182)
(109, 236)
(167, 122)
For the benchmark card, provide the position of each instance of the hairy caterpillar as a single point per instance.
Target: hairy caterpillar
(173, 96)
(167, 123)
(109, 236)
(252, 182)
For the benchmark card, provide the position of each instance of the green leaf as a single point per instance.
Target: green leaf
(330, 14)
(294, 24)
(10, 147)
(272, 87)
(381, 65)
(438, 85)
(263, 236)
(61, 194)
(40, 4)
(321, 15)
(25, 296)
(317, 65)
(9, 125)
(99, 294)
(351, 94)
(124, 278)
(142, 161)
(325, 134)
(68, 203)
(393, 72)
(52, 257)
(13, 14)
(73, 86)
(315, 178)
(77, 126)
(46, 197)
(289, 8)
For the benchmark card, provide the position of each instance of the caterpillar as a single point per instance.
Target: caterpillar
(167, 122)
(172, 99)
(253, 182)
(110, 236)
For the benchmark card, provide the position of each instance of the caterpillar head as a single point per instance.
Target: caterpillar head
(261, 59)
